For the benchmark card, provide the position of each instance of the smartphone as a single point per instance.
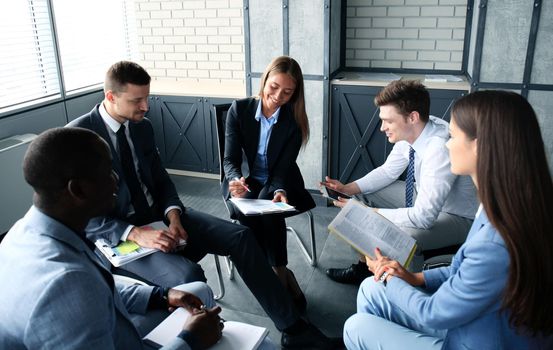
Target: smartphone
(333, 194)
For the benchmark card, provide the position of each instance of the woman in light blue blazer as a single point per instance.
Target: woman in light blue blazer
(497, 292)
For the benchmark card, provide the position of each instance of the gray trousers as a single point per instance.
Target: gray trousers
(448, 229)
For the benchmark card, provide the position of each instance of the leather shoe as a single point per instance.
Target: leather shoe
(310, 337)
(355, 274)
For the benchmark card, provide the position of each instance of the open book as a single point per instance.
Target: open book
(260, 206)
(128, 251)
(365, 230)
(236, 335)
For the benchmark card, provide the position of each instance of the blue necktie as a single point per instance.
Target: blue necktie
(410, 181)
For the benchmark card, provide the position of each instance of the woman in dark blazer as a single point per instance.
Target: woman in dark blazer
(269, 130)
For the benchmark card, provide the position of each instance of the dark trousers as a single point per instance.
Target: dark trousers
(208, 234)
(269, 230)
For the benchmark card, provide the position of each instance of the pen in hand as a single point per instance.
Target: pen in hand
(245, 187)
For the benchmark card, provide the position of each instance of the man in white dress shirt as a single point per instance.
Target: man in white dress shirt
(439, 209)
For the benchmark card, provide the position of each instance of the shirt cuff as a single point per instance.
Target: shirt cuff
(171, 208)
(126, 233)
(279, 190)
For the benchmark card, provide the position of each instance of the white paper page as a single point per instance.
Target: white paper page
(367, 230)
(169, 328)
(240, 336)
(236, 335)
(260, 206)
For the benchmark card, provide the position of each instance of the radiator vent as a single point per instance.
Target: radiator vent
(16, 196)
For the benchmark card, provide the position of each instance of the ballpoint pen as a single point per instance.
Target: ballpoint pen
(245, 187)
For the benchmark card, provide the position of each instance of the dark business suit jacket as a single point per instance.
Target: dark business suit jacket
(242, 134)
(152, 174)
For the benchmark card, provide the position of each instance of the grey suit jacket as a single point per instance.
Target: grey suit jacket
(56, 294)
(152, 173)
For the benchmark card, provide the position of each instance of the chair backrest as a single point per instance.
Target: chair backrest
(221, 122)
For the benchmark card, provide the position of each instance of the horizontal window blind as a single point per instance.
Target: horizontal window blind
(92, 35)
(27, 58)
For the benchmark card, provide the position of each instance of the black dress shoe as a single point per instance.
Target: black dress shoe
(309, 337)
(355, 274)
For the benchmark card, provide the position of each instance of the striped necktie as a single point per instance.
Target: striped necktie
(410, 181)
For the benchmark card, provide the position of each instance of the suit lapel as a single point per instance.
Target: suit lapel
(100, 128)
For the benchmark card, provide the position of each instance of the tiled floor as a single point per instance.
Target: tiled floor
(329, 303)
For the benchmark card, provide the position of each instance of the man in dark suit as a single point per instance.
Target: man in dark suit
(146, 194)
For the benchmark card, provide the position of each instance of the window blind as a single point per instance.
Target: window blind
(27, 58)
(92, 35)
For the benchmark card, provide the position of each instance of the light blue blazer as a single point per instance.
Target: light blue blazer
(56, 294)
(465, 298)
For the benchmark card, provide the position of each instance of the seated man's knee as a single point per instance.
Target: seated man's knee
(193, 273)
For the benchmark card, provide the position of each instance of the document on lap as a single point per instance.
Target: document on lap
(236, 335)
(260, 206)
(365, 229)
(128, 251)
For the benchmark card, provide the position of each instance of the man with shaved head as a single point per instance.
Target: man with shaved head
(56, 294)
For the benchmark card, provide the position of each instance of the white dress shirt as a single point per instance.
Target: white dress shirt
(113, 126)
(437, 188)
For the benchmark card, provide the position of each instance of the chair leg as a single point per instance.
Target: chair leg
(230, 268)
(219, 279)
(311, 258)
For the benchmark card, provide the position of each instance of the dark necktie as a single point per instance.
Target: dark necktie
(410, 181)
(138, 199)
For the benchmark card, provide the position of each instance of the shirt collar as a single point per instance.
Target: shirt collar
(420, 143)
(259, 114)
(113, 124)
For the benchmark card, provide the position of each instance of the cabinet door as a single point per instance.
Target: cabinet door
(184, 132)
(356, 144)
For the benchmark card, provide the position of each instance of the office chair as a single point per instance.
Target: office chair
(437, 261)
(220, 121)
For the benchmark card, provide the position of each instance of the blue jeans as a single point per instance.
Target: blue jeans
(378, 324)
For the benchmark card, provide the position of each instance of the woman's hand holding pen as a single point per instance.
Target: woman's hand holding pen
(384, 269)
(238, 187)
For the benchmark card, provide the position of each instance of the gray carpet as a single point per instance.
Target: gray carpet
(329, 304)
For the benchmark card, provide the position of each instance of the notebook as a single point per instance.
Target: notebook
(236, 335)
(128, 251)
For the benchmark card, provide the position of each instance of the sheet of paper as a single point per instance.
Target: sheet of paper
(126, 247)
(236, 335)
(260, 206)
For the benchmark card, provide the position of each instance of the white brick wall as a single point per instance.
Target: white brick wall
(189, 40)
(409, 34)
